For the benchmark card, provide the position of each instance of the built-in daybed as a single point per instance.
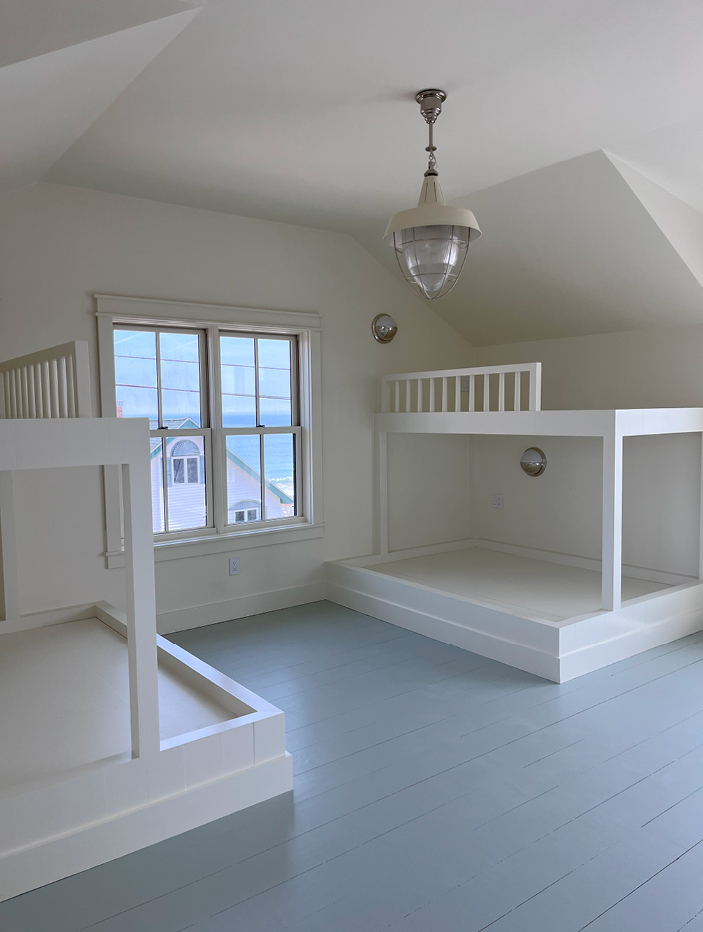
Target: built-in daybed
(529, 570)
(112, 737)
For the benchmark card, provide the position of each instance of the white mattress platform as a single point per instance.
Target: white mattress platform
(522, 586)
(537, 615)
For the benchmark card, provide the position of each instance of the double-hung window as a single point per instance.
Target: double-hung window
(229, 412)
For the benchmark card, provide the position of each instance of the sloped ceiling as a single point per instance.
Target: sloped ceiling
(567, 250)
(49, 100)
(303, 112)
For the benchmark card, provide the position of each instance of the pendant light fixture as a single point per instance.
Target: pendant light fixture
(431, 241)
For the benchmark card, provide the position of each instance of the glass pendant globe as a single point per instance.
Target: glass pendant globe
(431, 241)
(431, 257)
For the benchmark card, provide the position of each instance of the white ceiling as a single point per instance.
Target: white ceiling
(303, 112)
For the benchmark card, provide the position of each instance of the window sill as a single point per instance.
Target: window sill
(223, 543)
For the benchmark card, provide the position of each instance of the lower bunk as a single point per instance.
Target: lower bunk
(72, 793)
(538, 615)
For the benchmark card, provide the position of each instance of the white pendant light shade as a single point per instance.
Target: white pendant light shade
(431, 241)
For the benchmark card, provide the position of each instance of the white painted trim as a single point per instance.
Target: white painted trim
(85, 847)
(585, 563)
(612, 521)
(173, 312)
(113, 309)
(215, 612)
(225, 543)
(630, 423)
(9, 577)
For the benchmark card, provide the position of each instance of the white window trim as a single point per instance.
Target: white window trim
(114, 309)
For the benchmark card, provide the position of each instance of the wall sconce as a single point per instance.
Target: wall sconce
(533, 462)
(384, 328)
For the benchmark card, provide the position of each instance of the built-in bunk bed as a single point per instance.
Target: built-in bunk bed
(594, 560)
(112, 737)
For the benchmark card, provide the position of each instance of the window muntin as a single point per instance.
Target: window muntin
(162, 373)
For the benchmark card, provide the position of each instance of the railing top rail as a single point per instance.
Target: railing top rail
(52, 352)
(476, 370)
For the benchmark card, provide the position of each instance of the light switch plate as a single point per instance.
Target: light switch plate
(497, 500)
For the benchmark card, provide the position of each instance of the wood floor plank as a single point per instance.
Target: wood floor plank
(434, 790)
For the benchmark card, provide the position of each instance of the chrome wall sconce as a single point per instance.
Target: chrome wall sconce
(533, 462)
(384, 328)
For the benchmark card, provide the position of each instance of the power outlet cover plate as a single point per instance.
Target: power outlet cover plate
(497, 501)
(234, 566)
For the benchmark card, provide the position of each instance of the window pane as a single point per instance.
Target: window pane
(274, 382)
(187, 503)
(180, 378)
(238, 381)
(275, 412)
(180, 409)
(243, 476)
(157, 484)
(135, 374)
(279, 470)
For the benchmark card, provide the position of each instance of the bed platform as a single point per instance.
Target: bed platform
(112, 737)
(549, 611)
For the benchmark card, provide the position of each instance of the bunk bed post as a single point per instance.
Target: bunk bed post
(382, 473)
(700, 538)
(9, 580)
(612, 520)
(535, 386)
(141, 610)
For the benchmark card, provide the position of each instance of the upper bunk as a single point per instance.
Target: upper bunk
(508, 400)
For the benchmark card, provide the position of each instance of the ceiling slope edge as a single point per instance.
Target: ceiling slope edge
(568, 250)
(681, 223)
(48, 102)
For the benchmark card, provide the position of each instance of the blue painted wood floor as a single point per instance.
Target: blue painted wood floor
(435, 791)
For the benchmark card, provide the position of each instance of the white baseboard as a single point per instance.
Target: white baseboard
(216, 612)
(584, 563)
(522, 656)
(39, 864)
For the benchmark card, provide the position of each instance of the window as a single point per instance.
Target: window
(234, 410)
(243, 411)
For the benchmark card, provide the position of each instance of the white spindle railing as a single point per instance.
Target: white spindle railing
(464, 389)
(51, 383)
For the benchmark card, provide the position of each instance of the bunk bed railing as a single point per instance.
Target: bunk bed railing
(490, 388)
(54, 382)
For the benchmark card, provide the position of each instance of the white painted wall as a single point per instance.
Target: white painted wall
(656, 367)
(639, 368)
(560, 511)
(428, 489)
(59, 245)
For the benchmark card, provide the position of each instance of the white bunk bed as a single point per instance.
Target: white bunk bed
(112, 737)
(553, 613)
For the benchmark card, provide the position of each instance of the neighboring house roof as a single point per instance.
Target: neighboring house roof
(188, 424)
(283, 497)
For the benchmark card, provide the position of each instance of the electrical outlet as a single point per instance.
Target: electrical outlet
(465, 382)
(234, 566)
(497, 500)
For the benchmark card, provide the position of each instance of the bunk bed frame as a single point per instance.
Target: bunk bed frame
(82, 810)
(505, 400)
